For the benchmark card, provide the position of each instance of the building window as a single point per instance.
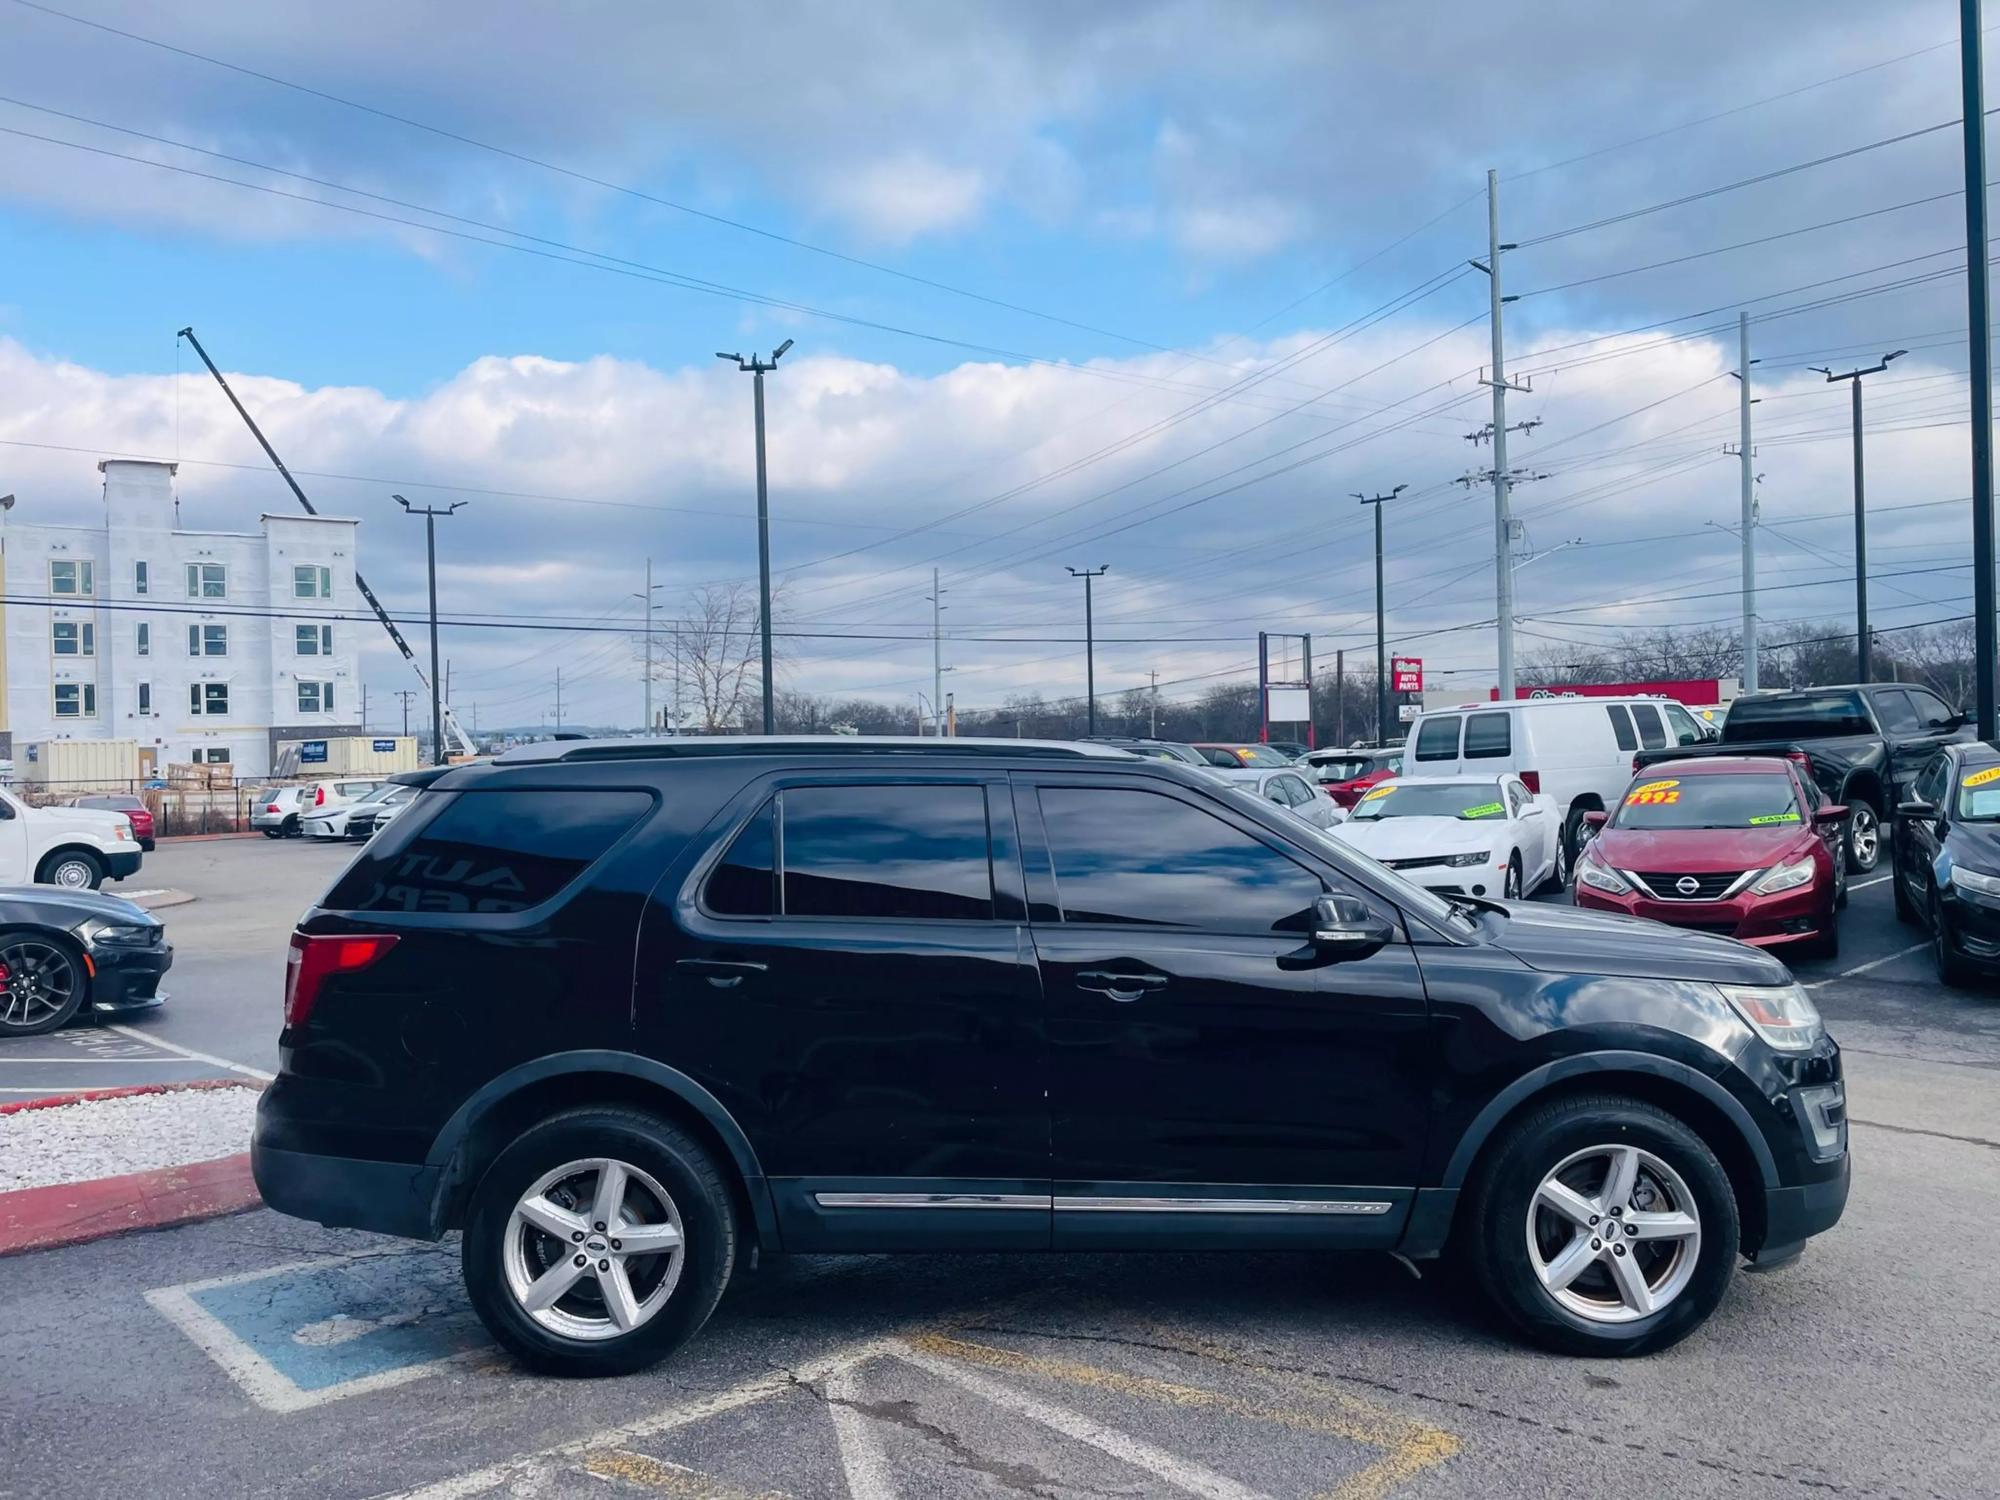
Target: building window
(73, 638)
(208, 698)
(143, 639)
(208, 640)
(207, 581)
(215, 756)
(312, 640)
(315, 697)
(76, 700)
(69, 577)
(139, 579)
(145, 698)
(310, 582)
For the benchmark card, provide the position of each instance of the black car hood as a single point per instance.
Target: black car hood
(1567, 940)
(1977, 844)
(61, 908)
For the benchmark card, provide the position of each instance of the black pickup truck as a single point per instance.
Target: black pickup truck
(1863, 743)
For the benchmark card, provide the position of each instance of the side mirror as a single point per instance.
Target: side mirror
(1344, 926)
(1916, 808)
(1832, 813)
(1595, 820)
(1956, 721)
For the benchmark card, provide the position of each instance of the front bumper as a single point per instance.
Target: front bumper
(1793, 1215)
(1972, 925)
(120, 863)
(323, 828)
(1482, 879)
(1766, 921)
(128, 979)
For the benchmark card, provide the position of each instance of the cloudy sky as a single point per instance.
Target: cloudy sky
(1154, 284)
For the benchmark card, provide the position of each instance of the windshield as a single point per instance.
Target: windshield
(1258, 755)
(1723, 800)
(1470, 800)
(1796, 716)
(1342, 770)
(1979, 795)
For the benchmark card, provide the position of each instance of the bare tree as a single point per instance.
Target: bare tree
(710, 657)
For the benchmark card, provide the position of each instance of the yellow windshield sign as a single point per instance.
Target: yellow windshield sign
(1654, 793)
(1380, 791)
(1983, 778)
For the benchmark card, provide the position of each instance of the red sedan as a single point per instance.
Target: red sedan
(1345, 774)
(136, 813)
(1737, 845)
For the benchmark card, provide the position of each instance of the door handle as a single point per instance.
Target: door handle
(1119, 986)
(723, 973)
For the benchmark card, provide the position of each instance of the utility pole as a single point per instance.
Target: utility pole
(937, 656)
(1089, 644)
(1503, 522)
(430, 514)
(406, 694)
(647, 598)
(1381, 627)
(1861, 640)
(1153, 705)
(1340, 697)
(1980, 349)
(558, 700)
(677, 676)
(1743, 449)
(758, 369)
(364, 708)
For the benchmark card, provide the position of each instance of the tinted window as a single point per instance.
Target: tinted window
(1488, 735)
(1894, 710)
(1437, 739)
(489, 852)
(1930, 786)
(1621, 726)
(745, 883)
(1682, 724)
(1301, 794)
(1795, 716)
(1652, 734)
(1145, 859)
(1763, 799)
(1932, 709)
(887, 851)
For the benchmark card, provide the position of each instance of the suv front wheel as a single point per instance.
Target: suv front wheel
(1603, 1226)
(598, 1242)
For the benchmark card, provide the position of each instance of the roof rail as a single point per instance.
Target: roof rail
(693, 747)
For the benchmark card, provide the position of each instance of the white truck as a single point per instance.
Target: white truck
(75, 847)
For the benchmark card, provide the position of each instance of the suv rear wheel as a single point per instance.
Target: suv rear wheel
(1602, 1226)
(598, 1242)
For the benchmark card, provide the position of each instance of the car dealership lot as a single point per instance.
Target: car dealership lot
(260, 1354)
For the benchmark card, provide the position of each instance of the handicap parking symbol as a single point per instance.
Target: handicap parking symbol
(299, 1335)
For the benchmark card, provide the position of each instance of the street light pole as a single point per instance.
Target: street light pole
(430, 515)
(1861, 641)
(1089, 644)
(757, 369)
(1980, 350)
(1381, 627)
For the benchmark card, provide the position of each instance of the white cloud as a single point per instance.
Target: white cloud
(898, 198)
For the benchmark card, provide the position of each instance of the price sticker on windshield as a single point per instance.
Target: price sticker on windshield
(1983, 778)
(1765, 818)
(1376, 793)
(1655, 794)
(1485, 810)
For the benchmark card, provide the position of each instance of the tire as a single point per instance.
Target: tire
(671, 1181)
(1864, 836)
(72, 869)
(1827, 943)
(1906, 909)
(1840, 876)
(289, 829)
(1952, 969)
(1573, 840)
(1510, 887)
(42, 986)
(1580, 1138)
(1559, 869)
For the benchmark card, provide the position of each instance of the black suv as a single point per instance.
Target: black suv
(626, 1012)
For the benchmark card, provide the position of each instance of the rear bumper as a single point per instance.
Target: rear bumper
(345, 1192)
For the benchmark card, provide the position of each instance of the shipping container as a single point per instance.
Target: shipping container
(345, 755)
(82, 764)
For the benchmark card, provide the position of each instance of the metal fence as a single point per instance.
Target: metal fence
(211, 806)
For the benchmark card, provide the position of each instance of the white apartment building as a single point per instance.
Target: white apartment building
(203, 646)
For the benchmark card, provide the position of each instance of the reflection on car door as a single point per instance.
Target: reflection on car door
(1534, 828)
(855, 963)
(1918, 841)
(1204, 1059)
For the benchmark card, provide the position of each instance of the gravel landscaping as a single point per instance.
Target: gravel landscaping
(110, 1137)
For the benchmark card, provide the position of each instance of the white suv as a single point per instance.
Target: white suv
(1577, 751)
(75, 847)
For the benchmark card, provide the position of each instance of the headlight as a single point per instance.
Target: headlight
(1600, 876)
(1975, 880)
(116, 935)
(1461, 861)
(1782, 1014)
(122, 831)
(1792, 876)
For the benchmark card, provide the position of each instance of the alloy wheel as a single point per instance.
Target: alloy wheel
(37, 983)
(594, 1249)
(1613, 1234)
(1864, 837)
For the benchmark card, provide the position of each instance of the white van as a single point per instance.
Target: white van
(1576, 750)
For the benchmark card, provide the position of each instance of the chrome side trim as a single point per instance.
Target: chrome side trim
(1221, 1206)
(932, 1200)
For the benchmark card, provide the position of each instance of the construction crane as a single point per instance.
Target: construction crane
(460, 741)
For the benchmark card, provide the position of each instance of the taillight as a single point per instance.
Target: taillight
(273, 807)
(319, 797)
(1532, 780)
(313, 959)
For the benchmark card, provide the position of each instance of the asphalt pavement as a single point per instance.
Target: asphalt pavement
(257, 1354)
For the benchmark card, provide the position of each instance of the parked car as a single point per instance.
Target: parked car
(65, 953)
(78, 848)
(1945, 859)
(1862, 743)
(1290, 790)
(1577, 750)
(1740, 845)
(336, 821)
(276, 811)
(1482, 836)
(1153, 749)
(366, 819)
(625, 1012)
(1345, 774)
(136, 813)
(1232, 757)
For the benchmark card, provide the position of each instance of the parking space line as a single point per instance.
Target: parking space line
(1873, 963)
(1862, 885)
(665, 1478)
(193, 1056)
(862, 1461)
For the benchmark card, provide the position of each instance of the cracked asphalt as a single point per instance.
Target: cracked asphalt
(275, 1358)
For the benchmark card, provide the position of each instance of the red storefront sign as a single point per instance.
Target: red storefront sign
(1406, 674)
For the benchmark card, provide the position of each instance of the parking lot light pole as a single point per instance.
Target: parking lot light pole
(1089, 644)
(430, 515)
(1381, 631)
(1861, 642)
(757, 369)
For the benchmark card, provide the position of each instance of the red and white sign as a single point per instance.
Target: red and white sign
(1406, 674)
(1697, 691)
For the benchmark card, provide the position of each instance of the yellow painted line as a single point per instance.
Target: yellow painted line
(663, 1478)
(1412, 1446)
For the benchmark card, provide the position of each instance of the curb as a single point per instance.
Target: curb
(196, 838)
(73, 1213)
(166, 898)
